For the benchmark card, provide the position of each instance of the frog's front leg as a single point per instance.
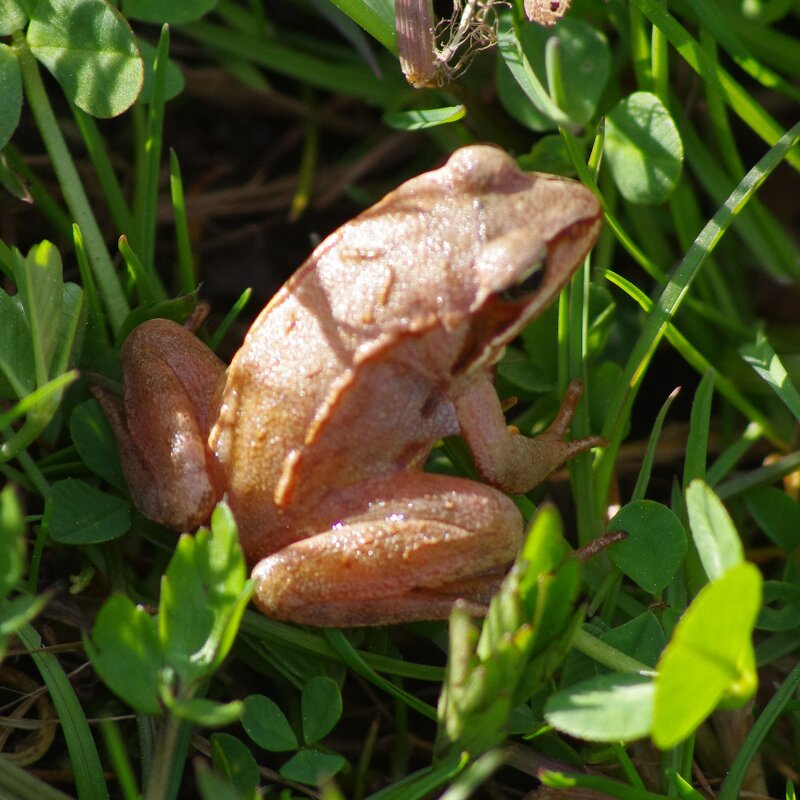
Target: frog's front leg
(172, 384)
(504, 457)
(393, 549)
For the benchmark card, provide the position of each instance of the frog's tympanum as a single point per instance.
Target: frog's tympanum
(379, 345)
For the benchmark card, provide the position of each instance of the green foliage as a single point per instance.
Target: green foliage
(531, 86)
(10, 91)
(714, 534)
(678, 620)
(606, 708)
(268, 727)
(95, 442)
(15, 612)
(420, 119)
(710, 657)
(77, 513)
(126, 653)
(36, 353)
(90, 49)
(150, 660)
(655, 547)
(777, 514)
(643, 148)
(233, 760)
(523, 640)
(172, 12)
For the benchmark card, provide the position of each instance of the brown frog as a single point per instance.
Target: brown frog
(379, 345)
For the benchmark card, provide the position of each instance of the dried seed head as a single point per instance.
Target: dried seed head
(546, 12)
(432, 54)
(415, 42)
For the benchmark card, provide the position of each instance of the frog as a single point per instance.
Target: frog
(381, 344)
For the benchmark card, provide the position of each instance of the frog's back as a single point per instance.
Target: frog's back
(388, 277)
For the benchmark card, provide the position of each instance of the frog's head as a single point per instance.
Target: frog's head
(534, 231)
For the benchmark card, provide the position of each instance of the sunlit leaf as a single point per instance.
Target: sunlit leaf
(710, 656)
(643, 148)
(713, 531)
(607, 708)
(90, 49)
(420, 118)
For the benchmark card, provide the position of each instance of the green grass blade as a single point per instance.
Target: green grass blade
(112, 191)
(187, 274)
(340, 644)
(376, 17)
(608, 786)
(119, 757)
(766, 238)
(41, 196)
(230, 318)
(17, 783)
(739, 100)
(715, 22)
(72, 188)
(152, 167)
(694, 465)
(280, 634)
(352, 77)
(89, 781)
(726, 387)
(646, 468)
(673, 295)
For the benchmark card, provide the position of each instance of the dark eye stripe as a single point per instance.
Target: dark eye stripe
(530, 283)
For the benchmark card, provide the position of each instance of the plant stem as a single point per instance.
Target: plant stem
(162, 762)
(607, 655)
(71, 186)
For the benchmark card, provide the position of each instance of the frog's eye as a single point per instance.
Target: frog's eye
(528, 284)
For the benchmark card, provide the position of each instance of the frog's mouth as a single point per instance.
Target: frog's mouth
(567, 251)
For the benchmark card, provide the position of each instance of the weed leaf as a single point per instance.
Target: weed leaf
(91, 51)
(77, 513)
(10, 90)
(713, 531)
(607, 708)
(267, 725)
(710, 656)
(321, 707)
(655, 547)
(643, 148)
(124, 650)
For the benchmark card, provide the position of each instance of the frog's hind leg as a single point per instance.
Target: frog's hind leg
(403, 548)
(172, 382)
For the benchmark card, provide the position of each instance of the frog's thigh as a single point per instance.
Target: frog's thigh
(421, 542)
(161, 429)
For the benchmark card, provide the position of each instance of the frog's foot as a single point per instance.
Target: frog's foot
(504, 457)
(553, 439)
(418, 543)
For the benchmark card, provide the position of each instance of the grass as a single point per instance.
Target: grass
(662, 665)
